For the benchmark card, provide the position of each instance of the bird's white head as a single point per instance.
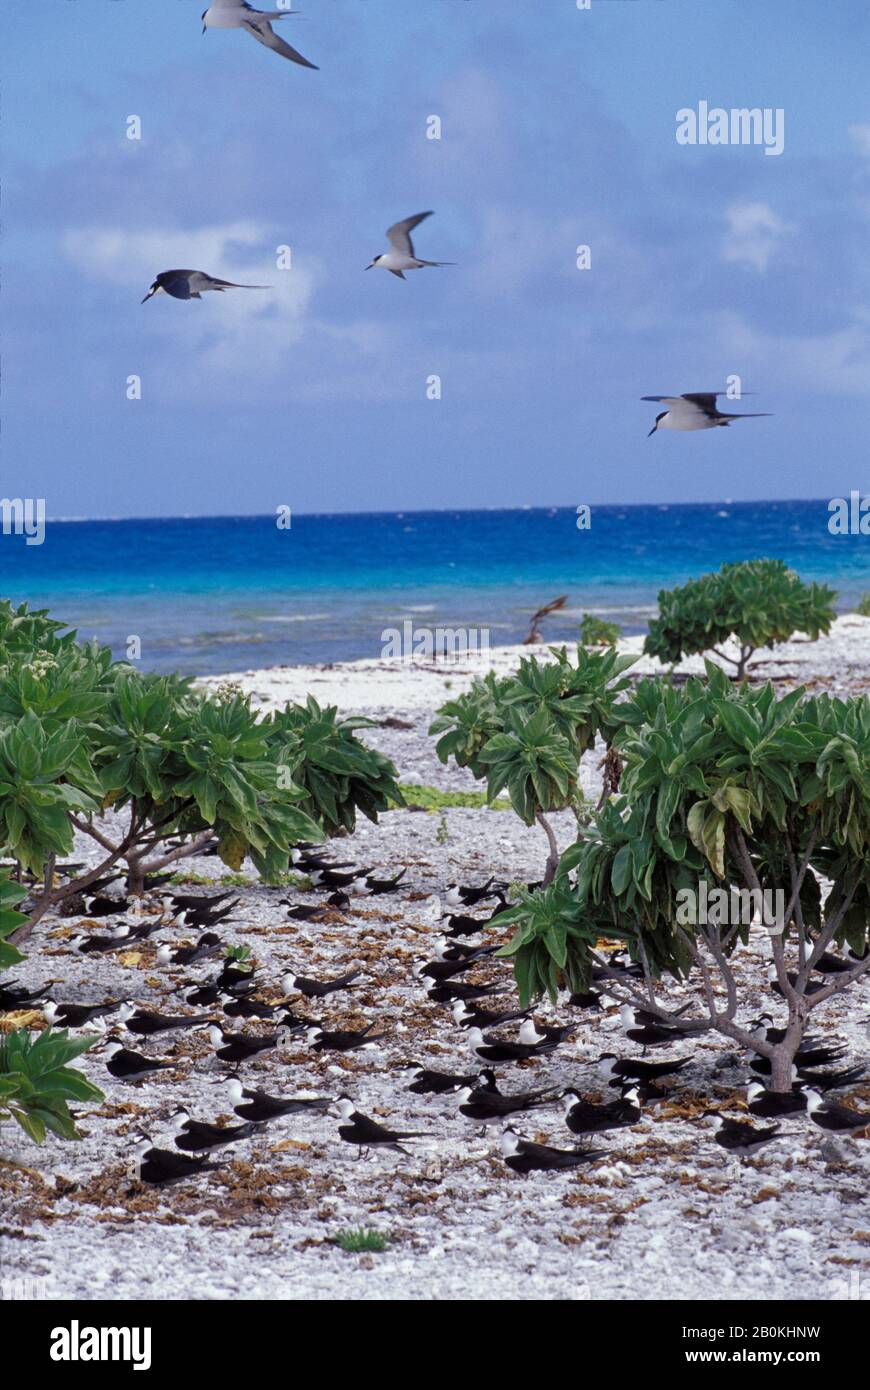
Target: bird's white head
(375, 261)
(510, 1143)
(529, 1034)
(345, 1107)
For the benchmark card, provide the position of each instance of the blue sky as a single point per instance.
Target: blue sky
(558, 128)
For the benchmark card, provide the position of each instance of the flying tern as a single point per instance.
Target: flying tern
(401, 255)
(236, 14)
(192, 284)
(696, 410)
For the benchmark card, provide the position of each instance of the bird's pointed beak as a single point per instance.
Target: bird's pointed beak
(652, 431)
(368, 267)
(147, 297)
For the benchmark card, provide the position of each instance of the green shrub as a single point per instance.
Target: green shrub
(36, 1083)
(526, 733)
(864, 606)
(726, 791)
(596, 632)
(81, 734)
(337, 776)
(756, 602)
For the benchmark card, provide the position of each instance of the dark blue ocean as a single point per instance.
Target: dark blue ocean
(215, 594)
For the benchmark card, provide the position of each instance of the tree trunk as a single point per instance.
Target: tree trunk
(553, 857)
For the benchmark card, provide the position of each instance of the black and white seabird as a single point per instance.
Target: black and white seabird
(238, 1047)
(635, 1070)
(740, 1138)
(192, 284)
(353, 881)
(803, 1058)
(832, 1080)
(695, 410)
(367, 1133)
(238, 14)
(160, 1167)
(307, 914)
(582, 1117)
(438, 1083)
(459, 925)
(648, 1034)
(491, 1049)
(317, 989)
(378, 886)
(401, 257)
(145, 1023)
(126, 1065)
(769, 1105)
(14, 996)
(827, 1114)
(524, 1157)
(775, 986)
(443, 991)
(463, 895)
(246, 1007)
(197, 1137)
(93, 944)
(322, 1040)
(468, 1016)
(75, 1015)
(207, 945)
(486, 1105)
(259, 1107)
(533, 1034)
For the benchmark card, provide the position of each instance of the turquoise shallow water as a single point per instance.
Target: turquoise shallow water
(211, 594)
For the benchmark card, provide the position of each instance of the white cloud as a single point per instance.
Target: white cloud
(836, 362)
(861, 136)
(755, 233)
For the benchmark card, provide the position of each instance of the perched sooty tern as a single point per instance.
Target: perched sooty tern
(581, 1117)
(467, 1016)
(196, 1136)
(486, 1105)
(832, 1080)
(768, 1105)
(316, 989)
(438, 1083)
(492, 1049)
(696, 410)
(145, 1023)
(126, 1065)
(237, 1047)
(740, 1138)
(401, 257)
(367, 1133)
(74, 1015)
(531, 1034)
(256, 1105)
(828, 1115)
(523, 1156)
(237, 14)
(192, 284)
(158, 1167)
(461, 895)
(445, 990)
(617, 1067)
(321, 1040)
(803, 1058)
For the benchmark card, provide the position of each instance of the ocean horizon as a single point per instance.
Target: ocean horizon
(207, 595)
